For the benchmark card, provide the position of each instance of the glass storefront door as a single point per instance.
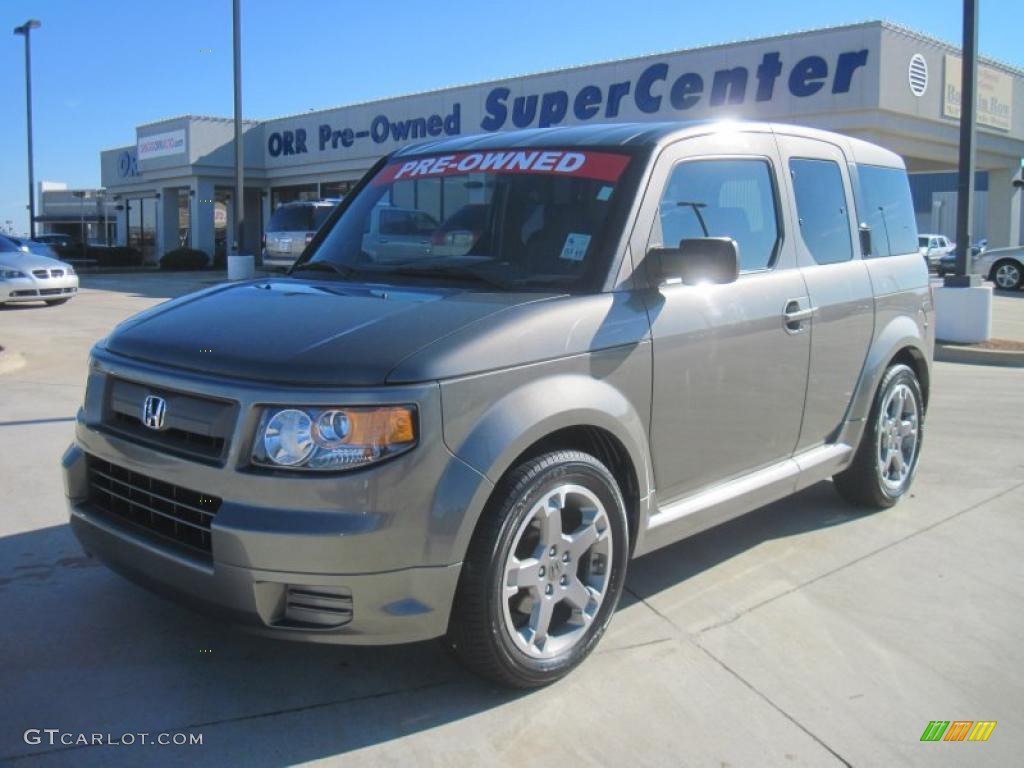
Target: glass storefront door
(142, 212)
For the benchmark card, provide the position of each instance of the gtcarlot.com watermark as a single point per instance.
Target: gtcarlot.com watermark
(55, 737)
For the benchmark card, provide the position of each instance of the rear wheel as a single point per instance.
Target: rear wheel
(544, 571)
(1007, 275)
(886, 459)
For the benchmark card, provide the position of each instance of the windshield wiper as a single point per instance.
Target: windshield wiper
(453, 272)
(322, 266)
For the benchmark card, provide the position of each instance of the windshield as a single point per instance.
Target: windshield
(922, 242)
(8, 246)
(512, 219)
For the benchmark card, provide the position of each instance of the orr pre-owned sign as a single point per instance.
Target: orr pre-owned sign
(994, 90)
(751, 80)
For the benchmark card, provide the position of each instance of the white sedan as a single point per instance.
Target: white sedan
(26, 276)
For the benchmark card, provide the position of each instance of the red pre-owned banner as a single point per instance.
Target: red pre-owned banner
(601, 166)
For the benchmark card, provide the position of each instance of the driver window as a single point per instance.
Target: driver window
(722, 198)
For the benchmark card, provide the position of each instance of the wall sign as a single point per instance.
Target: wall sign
(994, 90)
(161, 144)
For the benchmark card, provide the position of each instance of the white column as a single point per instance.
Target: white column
(202, 216)
(1004, 202)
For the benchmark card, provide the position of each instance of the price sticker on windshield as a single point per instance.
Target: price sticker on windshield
(575, 247)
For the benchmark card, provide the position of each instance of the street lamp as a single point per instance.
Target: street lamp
(80, 194)
(25, 29)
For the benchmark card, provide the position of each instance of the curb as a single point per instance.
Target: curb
(11, 361)
(960, 353)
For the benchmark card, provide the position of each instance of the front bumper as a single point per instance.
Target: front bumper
(363, 557)
(31, 288)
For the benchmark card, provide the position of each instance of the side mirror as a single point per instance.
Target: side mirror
(696, 260)
(865, 239)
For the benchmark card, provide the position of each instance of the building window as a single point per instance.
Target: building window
(292, 194)
(335, 188)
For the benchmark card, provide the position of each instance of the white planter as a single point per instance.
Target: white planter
(963, 315)
(241, 267)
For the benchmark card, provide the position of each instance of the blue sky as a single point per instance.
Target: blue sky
(101, 68)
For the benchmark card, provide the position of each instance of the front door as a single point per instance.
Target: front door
(730, 368)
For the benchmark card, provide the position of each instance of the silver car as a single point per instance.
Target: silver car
(656, 328)
(291, 228)
(1003, 266)
(27, 276)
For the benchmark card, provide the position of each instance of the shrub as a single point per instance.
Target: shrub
(181, 259)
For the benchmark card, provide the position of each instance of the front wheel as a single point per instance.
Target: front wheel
(886, 459)
(544, 571)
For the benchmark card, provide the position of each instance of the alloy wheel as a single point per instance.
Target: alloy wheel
(1007, 276)
(556, 575)
(898, 431)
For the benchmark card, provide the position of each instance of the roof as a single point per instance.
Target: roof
(642, 135)
(590, 135)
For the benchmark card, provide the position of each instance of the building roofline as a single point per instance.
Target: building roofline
(953, 47)
(877, 23)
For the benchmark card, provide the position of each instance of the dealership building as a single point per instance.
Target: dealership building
(876, 81)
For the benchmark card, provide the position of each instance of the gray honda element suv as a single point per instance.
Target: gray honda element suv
(618, 336)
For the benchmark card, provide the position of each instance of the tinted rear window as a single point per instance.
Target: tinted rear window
(320, 214)
(886, 206)
(292, 218)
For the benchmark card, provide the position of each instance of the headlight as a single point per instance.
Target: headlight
(332, 438)
(7, 274)
(68, 269)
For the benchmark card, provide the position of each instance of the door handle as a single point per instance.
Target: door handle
(794, 315)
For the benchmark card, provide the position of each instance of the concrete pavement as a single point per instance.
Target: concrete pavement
(798, 635)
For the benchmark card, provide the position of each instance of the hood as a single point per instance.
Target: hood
(303, 332)
(29, 261)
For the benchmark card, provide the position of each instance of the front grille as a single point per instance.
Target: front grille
(173, 514)
(50, 291)
(195, 427)
(32, 292)
(40, 273)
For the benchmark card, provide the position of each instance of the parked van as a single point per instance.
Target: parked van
(290, 230)
(650, 329)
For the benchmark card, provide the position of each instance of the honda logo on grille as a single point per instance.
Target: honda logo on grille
(153, 411)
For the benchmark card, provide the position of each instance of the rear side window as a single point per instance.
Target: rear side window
(886, 206)
(821, 208)
(723, 198)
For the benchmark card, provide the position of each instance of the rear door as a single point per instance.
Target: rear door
(841, 298)
(730, 368)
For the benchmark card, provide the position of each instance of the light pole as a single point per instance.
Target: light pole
(965, 177)
(80, 194)
(239, 155)
(25, 29)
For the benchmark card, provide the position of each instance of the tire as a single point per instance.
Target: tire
(886, 461)
(1008, 275)
(56, 302)
(499, 632)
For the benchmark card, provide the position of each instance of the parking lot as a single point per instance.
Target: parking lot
(801, 634)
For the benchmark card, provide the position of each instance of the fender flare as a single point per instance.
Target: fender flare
(531, 412)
